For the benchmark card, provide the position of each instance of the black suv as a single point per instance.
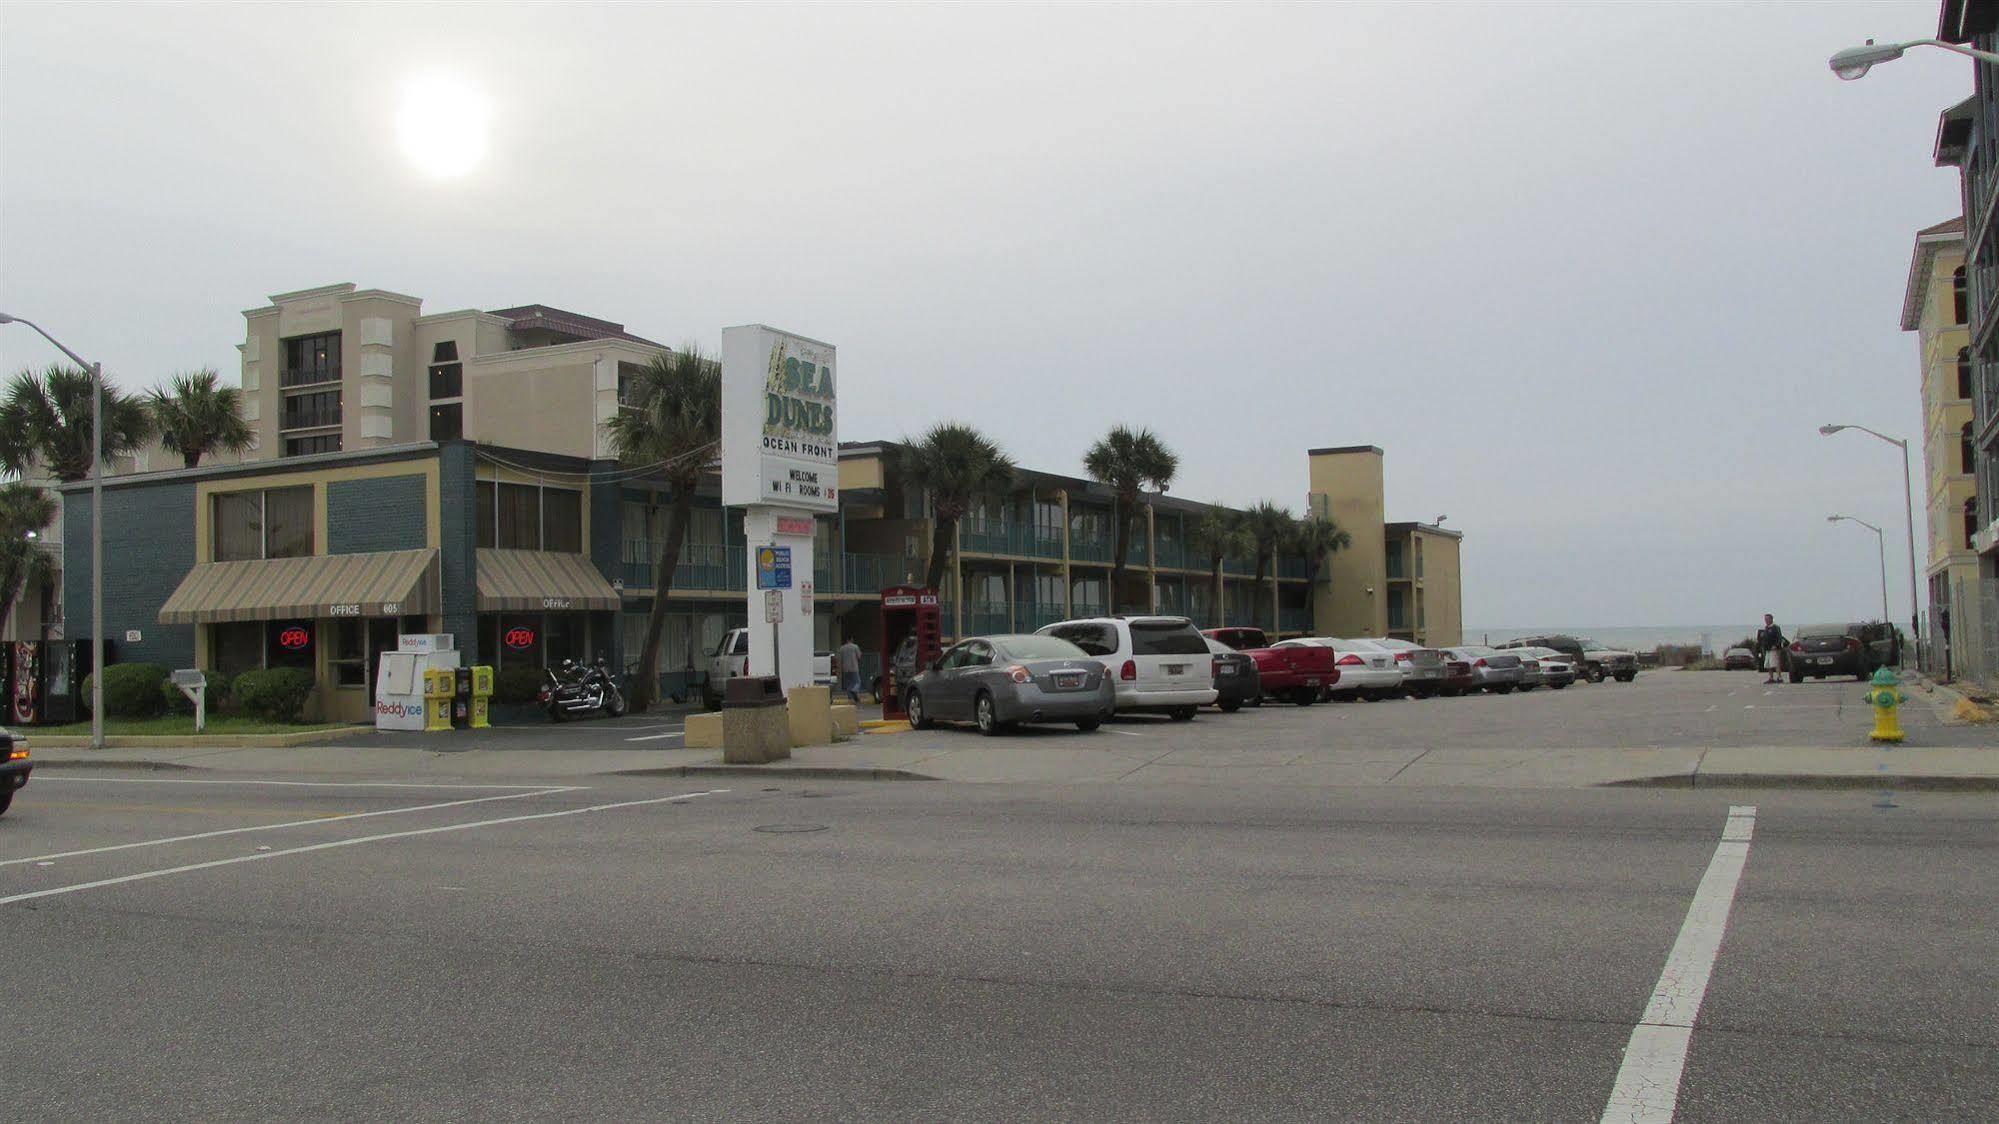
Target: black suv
(14, 768)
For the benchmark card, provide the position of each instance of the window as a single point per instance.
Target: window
(1964, 459)
(1960, 306)
(528, 517)
(274, 523)
(447, 421)
(1970, 522)
(1163, 638)
(307, 411)
(1395, 560)
(288, 643)
(237, 647)
(311, 359)
(350, 652)
(1095, 639)
(306, 446)
(627, 372)
(1964, 372)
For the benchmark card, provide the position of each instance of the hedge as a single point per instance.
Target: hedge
(276, 694)
(131, 690)
(513, 685)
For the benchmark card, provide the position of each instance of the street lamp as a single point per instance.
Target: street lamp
(1880, 548)
(96, 527)
(1909, 512)
(1857, 61)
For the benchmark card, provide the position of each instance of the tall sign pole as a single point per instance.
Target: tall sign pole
(781, 465)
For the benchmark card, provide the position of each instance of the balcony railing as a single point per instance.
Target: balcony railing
(987, 617)
(1293, 567)
(1298, 619)
(1173, 556)
(1239, 566)
(1089, 549)
(711, 567)
(1028, 618)
(992, 536)
(308, 376)
(309, 419)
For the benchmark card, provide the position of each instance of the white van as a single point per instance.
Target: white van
(1157, 663)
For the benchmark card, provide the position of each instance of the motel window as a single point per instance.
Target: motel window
(1960, 305)
(350, 652)
(272, 523)
(519, 518)
(1964, 372)
(311, 359)
(1964, 458)
(237, 647)
(447, 374)
(306, 446)
(484, 533)
(447, 421)
(528, 517)
(562, 520)
(1970, 522)
(289, 643)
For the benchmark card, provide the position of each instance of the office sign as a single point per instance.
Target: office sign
(780, 420)
(773, 567)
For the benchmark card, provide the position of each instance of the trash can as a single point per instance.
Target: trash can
(756, 728)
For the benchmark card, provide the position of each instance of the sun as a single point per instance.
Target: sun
(442, 124)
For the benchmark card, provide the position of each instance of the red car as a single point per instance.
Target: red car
(1297, 675)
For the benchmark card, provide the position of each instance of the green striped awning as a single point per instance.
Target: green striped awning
(517, 581)
(379, 584)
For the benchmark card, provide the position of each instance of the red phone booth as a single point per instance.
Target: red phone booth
(909, 617)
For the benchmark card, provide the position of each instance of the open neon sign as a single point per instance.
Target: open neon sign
(295, 638)
(520, 639)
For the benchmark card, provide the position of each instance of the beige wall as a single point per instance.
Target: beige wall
(1347, 488)
(376, 349)
(524, 407)
(1440, 591)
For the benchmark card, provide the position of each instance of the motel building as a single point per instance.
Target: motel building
(449, 473)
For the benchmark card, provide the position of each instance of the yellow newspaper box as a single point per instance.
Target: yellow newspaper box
(437, 689)
(482, 696)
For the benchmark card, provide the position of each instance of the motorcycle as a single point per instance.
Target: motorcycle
(575, 689)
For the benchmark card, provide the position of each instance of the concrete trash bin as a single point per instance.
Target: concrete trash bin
(755, 726)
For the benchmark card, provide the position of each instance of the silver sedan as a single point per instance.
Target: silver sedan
(997, 682)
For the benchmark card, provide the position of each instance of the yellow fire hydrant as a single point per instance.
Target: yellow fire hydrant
(1884, 698)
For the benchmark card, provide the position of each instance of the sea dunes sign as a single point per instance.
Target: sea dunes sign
(780, 431)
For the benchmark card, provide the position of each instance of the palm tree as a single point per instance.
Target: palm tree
(957, 465)
(24, 509)
(1271, 529)
(673, 420)
(195, 416)
(1219, 533)
(1129, 461)
(1316, 537)
(45, 422)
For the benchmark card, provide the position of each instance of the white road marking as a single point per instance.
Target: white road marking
(277, 826)
(658, 726)
(1749, 706)
(1767, 694)
(656, 737)
(39, 777)
(1122, 733)
(1648, 1083)
(353, 842)
(1710, 710)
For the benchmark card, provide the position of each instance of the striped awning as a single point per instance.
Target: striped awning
(513, 581)
(379, 584)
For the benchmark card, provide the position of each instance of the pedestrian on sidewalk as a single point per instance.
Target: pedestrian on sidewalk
(1770, 644)
(850, 669)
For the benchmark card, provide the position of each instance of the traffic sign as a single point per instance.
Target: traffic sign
(773, 606)
(805, 598)
(773, 567)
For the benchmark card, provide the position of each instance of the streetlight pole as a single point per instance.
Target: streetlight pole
(1909, 513)
(96, 527)
(1880, 549)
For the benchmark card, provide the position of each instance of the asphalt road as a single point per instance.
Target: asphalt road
(932, 950)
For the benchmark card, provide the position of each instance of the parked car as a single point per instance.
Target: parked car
(1422, 668)
(14, 767)
(1236, 681)
(1157, 663)
(731, 658)
(1496, 671)
(1295, 674)
(1819, 650)
(1610, 663)
(1365, 671)
(997, 682)
(1738, 659)
(1549, 668)
(1459, 679)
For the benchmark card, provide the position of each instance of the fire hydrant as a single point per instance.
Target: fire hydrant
(1884, 698)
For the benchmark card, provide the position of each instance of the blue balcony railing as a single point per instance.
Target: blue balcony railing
(991, 536)
(1293, 566)
(1294, 619)
(1030, 617)
(1239, 566)
(987, 617)
(701, 566)
(1089, 549)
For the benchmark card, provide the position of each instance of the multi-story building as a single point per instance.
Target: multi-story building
(1936, 306)
(450, 473)
(1968, 139)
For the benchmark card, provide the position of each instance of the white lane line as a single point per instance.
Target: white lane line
(353, 842)
(1648, 1083)
(1122, 733)
(1749, 706)
(277, 826)
(40, 777)
(656, 737)
(659, 726)
(1710, 710)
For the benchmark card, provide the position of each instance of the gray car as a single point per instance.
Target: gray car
(999, 681)
(1496, 671)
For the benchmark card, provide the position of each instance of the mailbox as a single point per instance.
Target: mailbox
(908, 613)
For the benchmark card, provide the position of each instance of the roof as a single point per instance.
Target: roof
(1930, 241)
(376, 584)
(1426, 528)
(528, 317)
(1959, 20)
(1332, 449)
(1953, 133)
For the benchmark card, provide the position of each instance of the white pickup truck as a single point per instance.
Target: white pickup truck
(731, 658)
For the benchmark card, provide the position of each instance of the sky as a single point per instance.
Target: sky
(1590, 275)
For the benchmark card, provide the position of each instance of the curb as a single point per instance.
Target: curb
(92, 763)
(809, 772)
(199, 741)
(1809, 780)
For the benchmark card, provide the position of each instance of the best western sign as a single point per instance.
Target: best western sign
(780, 432)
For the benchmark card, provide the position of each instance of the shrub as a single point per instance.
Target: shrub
(217, 694)
(516, 685)
(275, 694)
(131, 690)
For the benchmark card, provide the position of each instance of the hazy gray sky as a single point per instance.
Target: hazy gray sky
(1502, 242)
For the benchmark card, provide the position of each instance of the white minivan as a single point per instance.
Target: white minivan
(1157, 663)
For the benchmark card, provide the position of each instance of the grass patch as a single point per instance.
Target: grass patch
(1968, 711)
(180, 725)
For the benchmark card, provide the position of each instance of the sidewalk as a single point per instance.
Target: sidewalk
(981, 760)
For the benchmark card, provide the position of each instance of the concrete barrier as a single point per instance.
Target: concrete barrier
(704, 731)
(846, 720)
(811, 711)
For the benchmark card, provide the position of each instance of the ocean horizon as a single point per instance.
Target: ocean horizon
(1636, 638)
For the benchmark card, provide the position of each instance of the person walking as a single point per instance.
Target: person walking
(1770, 647)
(849, 656)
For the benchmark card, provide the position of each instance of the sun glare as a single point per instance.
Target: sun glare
(442, 124)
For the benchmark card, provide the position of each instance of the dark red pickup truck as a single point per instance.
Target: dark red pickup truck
(1297, 674)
